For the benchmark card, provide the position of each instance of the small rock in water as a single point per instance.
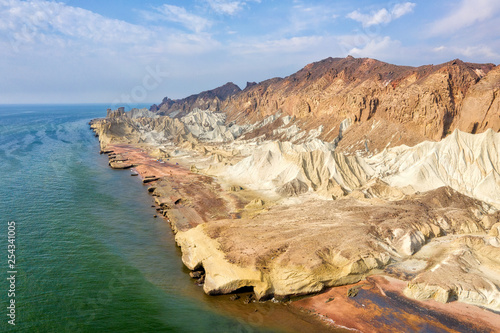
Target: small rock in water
(196, 274)
(201, 280)
(248, 299)
(353, 292)
(234, 297)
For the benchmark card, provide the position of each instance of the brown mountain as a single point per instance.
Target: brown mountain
(206, 100)
(388, 104)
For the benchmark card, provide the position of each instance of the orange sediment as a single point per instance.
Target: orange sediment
(380, 306)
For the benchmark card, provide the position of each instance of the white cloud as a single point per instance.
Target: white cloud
(473, 52)
(401, 9)
(305, 16)
(56, 28)
(226, 7)
(181, 15)
(281, 46)
(468, 13)
(382, 16)
(380, 47)
(477, 52)
(51, 51)
(51, 22)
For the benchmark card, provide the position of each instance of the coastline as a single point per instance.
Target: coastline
(174, 183)
(181, 197)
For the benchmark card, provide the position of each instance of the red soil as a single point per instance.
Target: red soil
(380, 306)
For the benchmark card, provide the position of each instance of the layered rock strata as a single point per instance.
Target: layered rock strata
(304, 248)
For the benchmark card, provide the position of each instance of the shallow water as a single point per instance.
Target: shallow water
(90, 257)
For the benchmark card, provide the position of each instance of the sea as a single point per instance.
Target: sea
(81, 250)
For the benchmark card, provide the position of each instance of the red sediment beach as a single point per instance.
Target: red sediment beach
(191, 198)
(377, 304)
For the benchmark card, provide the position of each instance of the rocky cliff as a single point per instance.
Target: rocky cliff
(206, 100)
(481, 106)
(347, 168)
(427, 102)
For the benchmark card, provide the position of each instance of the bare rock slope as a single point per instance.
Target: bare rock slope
(303, 248)
(426, 102)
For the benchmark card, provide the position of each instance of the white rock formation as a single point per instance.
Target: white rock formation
(468, 163)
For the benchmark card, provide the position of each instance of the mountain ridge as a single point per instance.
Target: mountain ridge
(345, 169)
(208, 99)
(425, 102)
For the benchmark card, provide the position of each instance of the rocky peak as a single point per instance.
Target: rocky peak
(206, 100)
(225, 91)
(250, 84)
(115, 113)
(422, 102)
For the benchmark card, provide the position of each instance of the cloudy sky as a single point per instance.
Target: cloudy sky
(129, 51)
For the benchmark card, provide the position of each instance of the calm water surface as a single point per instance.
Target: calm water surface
(90, 255)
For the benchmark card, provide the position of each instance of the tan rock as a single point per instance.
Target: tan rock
(495, 230)
(255, 204)
(466, 270)
(306, 247)
(411, 211)
(481, 106)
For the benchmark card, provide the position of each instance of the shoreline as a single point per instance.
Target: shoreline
(179, 218)
(178, 208)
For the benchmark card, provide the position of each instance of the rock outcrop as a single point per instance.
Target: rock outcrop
(424, 100)
(121, 127)
(304, 248)
(481, 106)
(206, 100)
(466, 162)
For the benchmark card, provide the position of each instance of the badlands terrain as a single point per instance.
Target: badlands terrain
(349, 170)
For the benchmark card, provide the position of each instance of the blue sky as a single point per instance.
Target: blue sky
(124, 52)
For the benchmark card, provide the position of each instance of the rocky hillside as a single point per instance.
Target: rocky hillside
(206, 100)
(408, 104)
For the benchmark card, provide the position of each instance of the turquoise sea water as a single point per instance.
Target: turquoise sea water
(90, 257)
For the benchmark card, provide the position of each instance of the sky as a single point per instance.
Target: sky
(129, 52)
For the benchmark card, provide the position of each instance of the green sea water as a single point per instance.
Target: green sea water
(90, 257)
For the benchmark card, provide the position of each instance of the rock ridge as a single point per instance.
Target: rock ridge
(426, 102)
